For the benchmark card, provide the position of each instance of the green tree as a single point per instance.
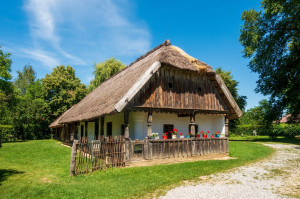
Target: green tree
(6, 88)
(62, 89)
(31, 113)
(25, 78)
(271, 40)
(105, 70)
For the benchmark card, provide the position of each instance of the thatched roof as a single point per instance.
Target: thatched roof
(102, 100)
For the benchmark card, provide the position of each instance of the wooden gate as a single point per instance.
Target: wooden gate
(89, 155)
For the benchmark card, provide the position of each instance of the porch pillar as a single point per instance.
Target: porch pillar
(226, 127)
(102, 126)
(192, 124)
(149, 124)
(126, 124)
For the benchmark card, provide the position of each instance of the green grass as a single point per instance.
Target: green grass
(279, 139)
(40, 169)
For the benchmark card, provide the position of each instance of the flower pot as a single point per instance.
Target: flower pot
(182, 136)
(157, 137)
(174, 136)
(212, 136)
(217, 136)
(204, 136)
(197, 135)
(188, 136)
(165, 137)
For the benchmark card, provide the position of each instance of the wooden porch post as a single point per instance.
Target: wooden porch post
(226, 127)
(126, 124)
(192, 124)
(102, 126)
(149, 124)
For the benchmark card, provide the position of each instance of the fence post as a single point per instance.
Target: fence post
(73, 157)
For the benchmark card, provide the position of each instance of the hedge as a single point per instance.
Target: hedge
(274, 130)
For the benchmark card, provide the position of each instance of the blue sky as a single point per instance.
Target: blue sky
(47, 33)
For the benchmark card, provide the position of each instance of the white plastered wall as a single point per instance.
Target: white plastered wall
(138, 124)
(207, 122)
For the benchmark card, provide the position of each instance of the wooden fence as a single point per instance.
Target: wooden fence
(176, 148)
(89, 155)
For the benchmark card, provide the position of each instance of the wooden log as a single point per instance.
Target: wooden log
(126, 124)
(149, 124)
(226, 127)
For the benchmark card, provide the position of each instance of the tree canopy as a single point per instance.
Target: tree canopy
(271, 40)
(6, 87)
(62, 89)
(105, 70)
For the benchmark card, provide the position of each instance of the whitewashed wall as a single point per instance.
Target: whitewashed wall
(138, 124)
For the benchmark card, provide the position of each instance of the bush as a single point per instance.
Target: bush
(274, 130)
(6, 133)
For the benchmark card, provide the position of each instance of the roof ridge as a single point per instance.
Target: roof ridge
(166, 43)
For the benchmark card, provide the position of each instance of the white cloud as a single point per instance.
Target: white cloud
(79, 30)
(41, 56)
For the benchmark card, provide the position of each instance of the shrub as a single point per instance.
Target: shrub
(274, 130)
(6, 133)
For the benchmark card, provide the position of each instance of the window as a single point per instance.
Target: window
(168, 128)
(196, 128)
(109, 128)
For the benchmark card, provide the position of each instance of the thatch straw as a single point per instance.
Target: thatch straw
(101, 101)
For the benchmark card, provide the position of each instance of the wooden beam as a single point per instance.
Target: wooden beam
(73, 158)
(149, 124)
(96, 128)
(120, 105)
(192, 124)
(226, 127)
(126, 124)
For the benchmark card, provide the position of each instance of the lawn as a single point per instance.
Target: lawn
(40, 169)
(266, 139)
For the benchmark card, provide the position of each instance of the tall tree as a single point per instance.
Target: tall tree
(271, 40)
(25, 78)
(31, 113)
(232, 87)
(6, 87)
(62, 89)
(105, 70)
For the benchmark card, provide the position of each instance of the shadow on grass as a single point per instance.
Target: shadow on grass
(286, 140)
(5, 173)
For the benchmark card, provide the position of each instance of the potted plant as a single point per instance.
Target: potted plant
(165, 136)
(205, 134)
(188, 135)
(181, 135)
(155, 136)
(174, 133)
(197, 135)
(217, 134)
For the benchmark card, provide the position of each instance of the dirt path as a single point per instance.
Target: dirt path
(275, 177)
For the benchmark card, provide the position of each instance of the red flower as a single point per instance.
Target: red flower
(218, 131)
(207, 131)
(174, 129)
(180, 133)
